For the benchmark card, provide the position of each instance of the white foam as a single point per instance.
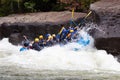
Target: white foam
(59, 57)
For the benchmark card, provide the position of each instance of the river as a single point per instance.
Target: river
(59, 62)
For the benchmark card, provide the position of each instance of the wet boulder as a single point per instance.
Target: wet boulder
(107, 33)
(109, 15)
(15, 38)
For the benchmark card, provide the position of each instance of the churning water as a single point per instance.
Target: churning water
(57, 63)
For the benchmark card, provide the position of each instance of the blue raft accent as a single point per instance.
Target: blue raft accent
(83, 42)
(23, 49)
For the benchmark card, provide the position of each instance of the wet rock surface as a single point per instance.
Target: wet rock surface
(16, 38)
(34, 24)
(109, 44)
(109, 15)
(108, 35)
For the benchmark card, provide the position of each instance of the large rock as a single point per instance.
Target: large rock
(109, 15)
(34, 24)
(16, 38)
(111, 45)
(108, 34)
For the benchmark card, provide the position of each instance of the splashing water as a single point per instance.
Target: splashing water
(59, 57)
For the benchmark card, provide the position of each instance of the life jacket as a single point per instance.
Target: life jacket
(69, 36)
(41, 42)
(64, 34)
(36, 46)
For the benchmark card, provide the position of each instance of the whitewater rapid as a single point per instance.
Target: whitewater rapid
(58, 57)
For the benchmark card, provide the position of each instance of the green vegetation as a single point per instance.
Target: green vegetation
(22, 6)
(30, 6)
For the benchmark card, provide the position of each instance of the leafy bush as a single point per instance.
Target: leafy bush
(29, 5)
(21, 6)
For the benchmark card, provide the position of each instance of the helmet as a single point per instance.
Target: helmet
(26, 44)
(71, 31)
(36, 40)
(49, 37)
(53, 35)
(41, 36)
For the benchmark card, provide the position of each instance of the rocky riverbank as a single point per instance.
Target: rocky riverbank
(108, 35)
(34, 24)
